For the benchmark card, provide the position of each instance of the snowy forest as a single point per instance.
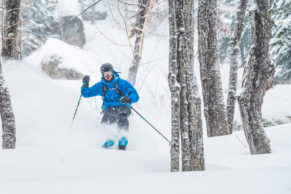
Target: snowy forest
(145, 96)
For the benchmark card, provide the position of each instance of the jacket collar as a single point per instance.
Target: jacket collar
(114, 80)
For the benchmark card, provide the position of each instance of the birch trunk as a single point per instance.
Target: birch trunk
(175, 90)
(11, 47)
(214, 107)
(7, 116)
(234, 50)
(258, 77)
(143, 7)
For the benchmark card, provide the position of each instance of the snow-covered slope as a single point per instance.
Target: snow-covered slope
(52, 157)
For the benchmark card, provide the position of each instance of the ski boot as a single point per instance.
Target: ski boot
(122, 143)
(108, 144)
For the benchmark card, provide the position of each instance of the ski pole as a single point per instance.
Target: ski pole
(128, 105)
(77, 108)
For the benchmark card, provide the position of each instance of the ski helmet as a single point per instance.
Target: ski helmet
(106, 67)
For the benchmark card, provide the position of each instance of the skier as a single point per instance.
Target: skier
(117, 93)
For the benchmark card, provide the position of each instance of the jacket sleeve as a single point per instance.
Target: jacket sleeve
(130, 92)
(95, 90)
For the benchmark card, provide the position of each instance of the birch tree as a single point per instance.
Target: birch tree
(186, 111)
(7, 116)
(142, 18)
(234, 50)
(258, 78)
(214, 107)
(11, 46)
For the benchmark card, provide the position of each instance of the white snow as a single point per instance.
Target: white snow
(68, 8)
(52, 157)
(83, 62)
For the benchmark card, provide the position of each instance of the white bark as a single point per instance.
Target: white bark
(143, 8)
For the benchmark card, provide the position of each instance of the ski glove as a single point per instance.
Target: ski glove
(125, 100)
(86, 80)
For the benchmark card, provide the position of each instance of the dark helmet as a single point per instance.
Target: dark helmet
(106, 67)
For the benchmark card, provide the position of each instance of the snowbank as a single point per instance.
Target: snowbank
(73, 57)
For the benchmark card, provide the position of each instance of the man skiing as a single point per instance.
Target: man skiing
(117, 94)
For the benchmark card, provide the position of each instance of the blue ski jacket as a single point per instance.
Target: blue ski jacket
(111, 97)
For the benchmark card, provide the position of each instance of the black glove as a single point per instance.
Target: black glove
(86, 80)
(125, 100)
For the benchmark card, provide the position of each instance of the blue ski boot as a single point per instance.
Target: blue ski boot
(122, 143)
(108, 144)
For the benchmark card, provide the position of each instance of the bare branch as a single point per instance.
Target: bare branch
(128, 3)
(126, 28)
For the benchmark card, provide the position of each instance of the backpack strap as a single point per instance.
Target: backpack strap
(104, 89)
(118, 91)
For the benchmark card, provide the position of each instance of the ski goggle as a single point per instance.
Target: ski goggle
(107, 74)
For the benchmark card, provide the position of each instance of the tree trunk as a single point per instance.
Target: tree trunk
(7, 116)
(258, 77)
(175, 89)
(214, 107)
(234, 50)
(196, 130)
(183, 60)
(193, 99)
(143, 9)
(183, 89)
(11, 48)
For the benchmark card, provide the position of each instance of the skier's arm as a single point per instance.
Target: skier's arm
(131, 93)
(95, 90)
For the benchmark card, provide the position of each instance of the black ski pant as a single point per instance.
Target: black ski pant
(118, 115)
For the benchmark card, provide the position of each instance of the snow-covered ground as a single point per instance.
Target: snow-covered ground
(229, 169)
(52, 157)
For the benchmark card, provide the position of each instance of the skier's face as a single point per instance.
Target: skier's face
(108, 75)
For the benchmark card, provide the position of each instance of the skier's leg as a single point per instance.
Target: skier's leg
(123, 125)
(109, 118)
(122, 118)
